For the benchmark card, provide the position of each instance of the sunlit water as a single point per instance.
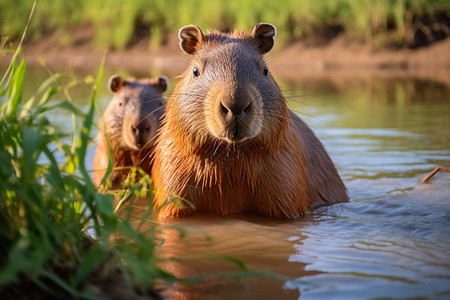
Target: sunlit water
(391, 240)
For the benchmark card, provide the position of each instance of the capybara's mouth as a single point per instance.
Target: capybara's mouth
(235, 134)
(134, 147)
(140, 146)
(137, 143)
(235, 139)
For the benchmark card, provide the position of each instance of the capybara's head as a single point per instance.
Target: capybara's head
(228, 94)
(133, 116)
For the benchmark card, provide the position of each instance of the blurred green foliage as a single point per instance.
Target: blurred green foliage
(117, 22)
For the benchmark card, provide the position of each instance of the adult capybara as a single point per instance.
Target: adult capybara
(130, 123)
(229, 144)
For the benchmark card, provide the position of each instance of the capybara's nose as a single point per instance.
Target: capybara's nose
(140, 132)
(135, 131)
(140, 129)
(235, 108)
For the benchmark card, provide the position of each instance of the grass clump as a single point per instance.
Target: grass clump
(59, 235)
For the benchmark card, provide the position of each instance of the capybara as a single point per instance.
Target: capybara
(130, 123)
(229, 144)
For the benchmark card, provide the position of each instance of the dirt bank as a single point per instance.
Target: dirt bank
(340, 58)
(344, 59)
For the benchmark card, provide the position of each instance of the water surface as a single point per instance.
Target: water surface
(391, 240)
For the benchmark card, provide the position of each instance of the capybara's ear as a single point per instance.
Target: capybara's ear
(190, 37)
(115, 83)
(264, 34)
(163, 83)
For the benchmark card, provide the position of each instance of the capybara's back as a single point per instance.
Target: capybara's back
(129, 126)
(228, 143)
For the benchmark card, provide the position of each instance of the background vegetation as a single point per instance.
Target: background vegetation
(118, 23)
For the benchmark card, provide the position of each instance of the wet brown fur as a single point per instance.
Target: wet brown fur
(282, 172)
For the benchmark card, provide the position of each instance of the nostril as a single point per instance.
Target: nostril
(134, 130)
(247, 109)
(147, 130)
(235, 109)
(223, 109)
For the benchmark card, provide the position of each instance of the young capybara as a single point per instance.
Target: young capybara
(229, 144)
(130, 123)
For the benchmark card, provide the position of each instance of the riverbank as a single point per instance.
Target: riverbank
(339, 55)
(338, 59)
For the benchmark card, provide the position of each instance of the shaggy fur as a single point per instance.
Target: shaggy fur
(281, 172)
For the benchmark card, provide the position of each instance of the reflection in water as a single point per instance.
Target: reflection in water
(391, 240)
(261, 243)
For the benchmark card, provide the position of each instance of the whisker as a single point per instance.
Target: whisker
(298, 96)
(297, 89)
(217, 148)
(147, 100)
(269, 57)
(148, 142)
(183, 60)
(146, 155)
(150, 151)
(149, 114)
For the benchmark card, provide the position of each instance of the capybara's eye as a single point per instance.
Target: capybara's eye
(266, 71)
(120, 103)
(195, 71)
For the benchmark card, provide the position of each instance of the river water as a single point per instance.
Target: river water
(391, 240)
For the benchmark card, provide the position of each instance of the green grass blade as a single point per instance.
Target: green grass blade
(45, 93)
(87, 126)
(64, 105)
(19, 48)
(15, 92)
